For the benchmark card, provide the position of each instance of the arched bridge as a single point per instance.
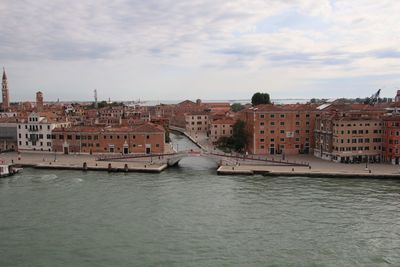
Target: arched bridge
(220, 158)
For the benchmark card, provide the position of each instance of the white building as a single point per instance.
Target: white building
(35, 133)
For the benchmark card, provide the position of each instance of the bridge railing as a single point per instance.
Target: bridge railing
(258, 158)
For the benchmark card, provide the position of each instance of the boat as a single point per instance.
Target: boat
(8, 169)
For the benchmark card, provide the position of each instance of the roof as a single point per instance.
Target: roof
(224, 121)
(143, 128)
(186, 102)
(197, 113)
(4, 74)
(285, 107)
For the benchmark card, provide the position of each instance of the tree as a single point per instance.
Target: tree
(235, 107)
(167, 138)
(238, 140)
(239, 136)
(260, 98)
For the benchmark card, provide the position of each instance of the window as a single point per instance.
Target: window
(272, 116)
(282, 115)
(261, 116)
(148, 137)
(61, 137)
(282, 123)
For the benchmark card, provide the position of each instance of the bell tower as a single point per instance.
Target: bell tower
(4, 91)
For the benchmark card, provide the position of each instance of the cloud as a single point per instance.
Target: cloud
(299, 38)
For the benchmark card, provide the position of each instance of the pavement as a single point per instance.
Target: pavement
(76, 161)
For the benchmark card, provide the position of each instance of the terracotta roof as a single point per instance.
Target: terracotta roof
(186, 102)
(286, 107)
(143, 128)
(224, 121)
(196, 113)
(149, 127)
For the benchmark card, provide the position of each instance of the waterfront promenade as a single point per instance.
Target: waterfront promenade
(317, 167)
(61, 161)
(234, 166)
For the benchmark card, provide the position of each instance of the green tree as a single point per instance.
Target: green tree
(239, 136)
(237, 141)
(260, 98)
(235, 107)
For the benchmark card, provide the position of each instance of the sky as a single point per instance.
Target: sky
(208, 49)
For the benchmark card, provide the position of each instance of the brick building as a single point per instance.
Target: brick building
(357, 139)
(197, 123)
(280, 129)
(346, 132)
(145, 138)
(391, 139)
(221, 128)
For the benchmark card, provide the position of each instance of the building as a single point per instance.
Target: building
(323, 135)
(280, 129)
(397, 97)
(35, 133)
(5, 93)
(39, 101)
(357, 139)
(8, 134)
(197, 123)
(221, 128)
(350, 133)
(146, 138)
(391, 139)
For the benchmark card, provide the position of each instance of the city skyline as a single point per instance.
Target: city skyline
(178, 50)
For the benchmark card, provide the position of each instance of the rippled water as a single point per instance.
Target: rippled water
(188, 216)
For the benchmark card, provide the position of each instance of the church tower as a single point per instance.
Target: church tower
(4, 91)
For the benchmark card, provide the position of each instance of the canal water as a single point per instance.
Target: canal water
(189, 216)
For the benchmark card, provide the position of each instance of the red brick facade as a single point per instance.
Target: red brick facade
(391, 139)
(140, 139)
(280, 129)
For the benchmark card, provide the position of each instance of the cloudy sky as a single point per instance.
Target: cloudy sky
(177, 49)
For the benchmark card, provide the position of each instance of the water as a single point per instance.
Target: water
(231, 101)
(189, 216)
